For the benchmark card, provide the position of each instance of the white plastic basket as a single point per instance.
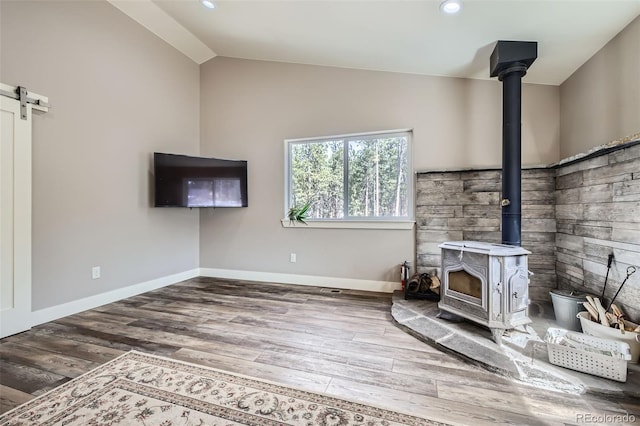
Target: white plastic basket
(611, 366)
(596, 329)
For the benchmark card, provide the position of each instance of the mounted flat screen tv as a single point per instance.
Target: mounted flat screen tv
(184, 181)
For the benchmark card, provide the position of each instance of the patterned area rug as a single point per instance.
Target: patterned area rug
(141, 389)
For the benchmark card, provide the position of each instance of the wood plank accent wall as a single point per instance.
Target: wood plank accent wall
(598, 213)
(573, 217)
(465, 205)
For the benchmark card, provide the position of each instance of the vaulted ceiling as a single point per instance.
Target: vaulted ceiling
(408, 36)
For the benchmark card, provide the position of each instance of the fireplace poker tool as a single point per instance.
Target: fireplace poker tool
(630, 271)
(609, 260)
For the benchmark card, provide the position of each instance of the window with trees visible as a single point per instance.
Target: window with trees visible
(354, 177)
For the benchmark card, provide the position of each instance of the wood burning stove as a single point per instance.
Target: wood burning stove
(489, 283)
(486, 283)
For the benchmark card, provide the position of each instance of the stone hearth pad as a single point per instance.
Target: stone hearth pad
(523, 355)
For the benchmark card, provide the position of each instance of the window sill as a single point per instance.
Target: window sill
(351, 224)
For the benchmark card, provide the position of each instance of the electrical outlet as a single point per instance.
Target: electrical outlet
(95, 272)
(292, 258)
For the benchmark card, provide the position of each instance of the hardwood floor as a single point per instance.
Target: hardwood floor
(343, 344)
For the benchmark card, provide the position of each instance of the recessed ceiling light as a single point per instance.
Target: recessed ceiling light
(208, 4)
(451, 7)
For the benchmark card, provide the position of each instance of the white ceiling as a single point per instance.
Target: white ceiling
(409, 36)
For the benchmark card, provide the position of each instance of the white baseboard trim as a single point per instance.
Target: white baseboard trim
(54, 312)
(311, 280)
(59, 311)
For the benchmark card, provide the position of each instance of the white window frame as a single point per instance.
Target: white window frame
(350, 222)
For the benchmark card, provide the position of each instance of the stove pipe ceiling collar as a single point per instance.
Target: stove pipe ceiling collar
(509, 62)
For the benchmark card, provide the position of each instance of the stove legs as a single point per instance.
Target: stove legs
(497, 335)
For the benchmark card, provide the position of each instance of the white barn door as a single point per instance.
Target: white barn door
(15, 218)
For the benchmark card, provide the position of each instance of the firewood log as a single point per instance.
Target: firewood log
(622, 325)
(602, 312)
(592, 311)
(616, 322)
(592, 302)
(616, 311)
(619, 318)
(435, 282)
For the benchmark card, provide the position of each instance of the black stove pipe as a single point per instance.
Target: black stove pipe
(511, 158)
(509, 62)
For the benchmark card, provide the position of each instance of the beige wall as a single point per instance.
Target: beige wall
(249, 107)
(600, 102)
(118, 93)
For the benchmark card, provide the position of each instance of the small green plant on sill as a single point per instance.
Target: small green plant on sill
(299, 214)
